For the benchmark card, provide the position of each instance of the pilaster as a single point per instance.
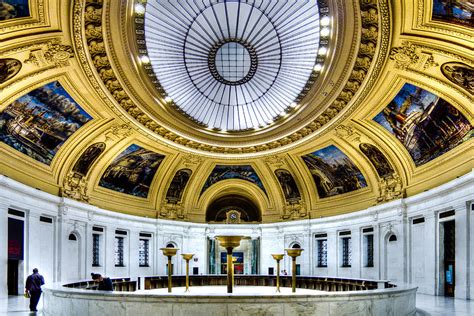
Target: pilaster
(3, 247)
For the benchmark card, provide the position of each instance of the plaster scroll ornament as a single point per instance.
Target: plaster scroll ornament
(172, 211)
(53, 53)
(118, 132)
(294, 210)
(404, 56)
(75, 187)
(191, 160)
(348, 133)
(390, 188)
(276, 161)
(408, 56)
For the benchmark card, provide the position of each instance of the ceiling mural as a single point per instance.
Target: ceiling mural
(459, 74)
(333, 172)
(87, 158)
(11, 9)
(224, 172)
(288, 185)
(455, 11)
(224, 89)
(132, 171)
(9, 67)
(426, 125)
(177, 186)
(378, 160)
(38, 123)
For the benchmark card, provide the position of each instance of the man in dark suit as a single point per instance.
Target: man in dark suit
(33, 288)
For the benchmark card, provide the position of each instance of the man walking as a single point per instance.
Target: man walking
(33, 288)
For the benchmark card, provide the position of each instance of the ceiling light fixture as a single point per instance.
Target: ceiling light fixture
(139, 8)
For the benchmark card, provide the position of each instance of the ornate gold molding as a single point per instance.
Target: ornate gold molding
(92, 30)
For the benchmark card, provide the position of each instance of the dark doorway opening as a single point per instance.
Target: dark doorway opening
(217, 210)
(12, 277)
(449, 244)
(15, 251)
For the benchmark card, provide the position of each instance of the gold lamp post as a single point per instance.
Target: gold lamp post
(293, 253)
(229, 243)
(278, 257)
(169, 252)
(234, 260)
(187, 257)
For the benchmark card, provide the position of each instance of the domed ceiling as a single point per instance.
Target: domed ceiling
(293, 109)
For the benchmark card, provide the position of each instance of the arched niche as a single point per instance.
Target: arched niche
(217, 209)
(234, 187)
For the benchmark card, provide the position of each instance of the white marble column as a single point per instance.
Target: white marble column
(357, 253)
(462, 251)
(470, 247)
(133, 262)
(3, 247)
(431, 257)
(333, 262)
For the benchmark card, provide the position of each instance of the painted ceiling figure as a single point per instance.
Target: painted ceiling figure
(288, 184)
(88, 157)
(178, 184)
(9, 67)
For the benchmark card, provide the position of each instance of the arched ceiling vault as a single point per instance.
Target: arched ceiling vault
(387, 113)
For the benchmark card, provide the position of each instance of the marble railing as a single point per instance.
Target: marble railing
(329, 284)
(248, 300)
(119, 284)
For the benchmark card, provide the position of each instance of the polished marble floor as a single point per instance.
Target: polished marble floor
(426, 305)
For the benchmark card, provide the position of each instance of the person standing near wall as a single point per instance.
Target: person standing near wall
(33, 288)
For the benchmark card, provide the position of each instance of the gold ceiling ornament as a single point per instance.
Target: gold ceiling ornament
(233, 217)
(294, 211)
(390, 188)
(52, 53)
(74, 187)
(92, 59)
(408, 55)
(172, 211)
(94, 30)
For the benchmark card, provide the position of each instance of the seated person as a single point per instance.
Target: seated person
(105, 284)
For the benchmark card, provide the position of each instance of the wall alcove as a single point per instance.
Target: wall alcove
(217, 210)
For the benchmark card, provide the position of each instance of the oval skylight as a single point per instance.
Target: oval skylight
(233, 65)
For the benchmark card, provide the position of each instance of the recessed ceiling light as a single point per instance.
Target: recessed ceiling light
(139, 8)
(325, 21)
(325, 31)
(322, 51)
(168, 99)
(145, 59)
(318, 67)
(293, 104)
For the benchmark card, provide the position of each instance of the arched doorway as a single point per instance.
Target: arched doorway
(217, 210)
